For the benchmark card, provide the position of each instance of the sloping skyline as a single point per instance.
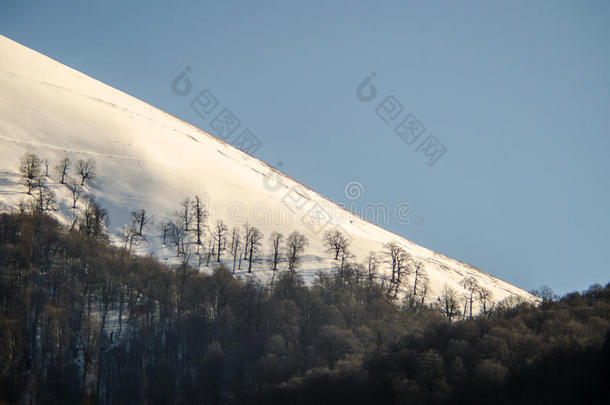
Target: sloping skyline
(517, 93)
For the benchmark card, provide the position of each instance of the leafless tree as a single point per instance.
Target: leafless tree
(176, 235)
(74, 220)
(295, 246)
(30, 169)
(420, 282)
(336, 242)
(235, 247)
(253, 247)
(219, 236)
(345, 256)
(185, 214)
(276, 248)
(140, 219)
(372, 263)
(164, 227)
(422, 289)
(546, 293)
(130, 237)
(449, 303)
(87, 170)
(234, 239)
(62, 169)
(76, 190)
(471, 286)
(485, 298)
(247, 234)
(403, 269)
(199, 215)
(94, 220)
(395, 252)
(132, 234)
(46, 198)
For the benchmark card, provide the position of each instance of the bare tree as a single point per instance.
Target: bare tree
(471, 286)
(74, 220)
(132, 233)
(76, 190)
(46, 198)
(420, 282)
(345, 255)
(247, 234)
(546, 293)
(30, 169)
(336, 242)
(395, 252)
(219, 236)
(372, 263)
(449, 303)
(164, 227)
(139, 219)
(176, 235)
(276, 248)
(235, 247)
(295, 246)
(62, 169)
(87, 170)
(126, 235)
(234, 240)
(253, 247)
(199, 215)
(422, 289)
(130, 237)
(185, 214)
(402, 269)
(485, 298)
(94, 220)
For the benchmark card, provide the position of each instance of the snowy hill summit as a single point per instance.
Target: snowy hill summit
(167, 185)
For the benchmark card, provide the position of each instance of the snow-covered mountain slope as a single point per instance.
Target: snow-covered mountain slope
(149, 159)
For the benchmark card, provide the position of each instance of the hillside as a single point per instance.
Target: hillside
(149, 159)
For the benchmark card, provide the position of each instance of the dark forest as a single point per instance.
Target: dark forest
(85, 322)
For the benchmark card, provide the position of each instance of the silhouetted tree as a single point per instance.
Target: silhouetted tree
(295, 246)
(30, 169)
(336, 242)
(76, 191)
(140, 219)
(62, 169)
(220, 230)
(449, 303)
(254, 237)
(87, 170)
(94, 219)
(471, 286)
(276, 249)
(199, 215)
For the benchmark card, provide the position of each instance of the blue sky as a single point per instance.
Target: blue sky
(517, 92)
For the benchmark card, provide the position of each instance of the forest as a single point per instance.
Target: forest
(85, 322)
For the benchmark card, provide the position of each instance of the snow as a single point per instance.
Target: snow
(149, 159)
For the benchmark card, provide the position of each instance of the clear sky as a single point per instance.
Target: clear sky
(517, 92)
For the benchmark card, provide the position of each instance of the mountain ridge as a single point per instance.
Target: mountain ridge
(146, 161)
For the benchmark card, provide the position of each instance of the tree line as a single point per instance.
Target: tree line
(197, 242)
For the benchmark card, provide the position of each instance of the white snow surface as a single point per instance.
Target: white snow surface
(150, 159)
